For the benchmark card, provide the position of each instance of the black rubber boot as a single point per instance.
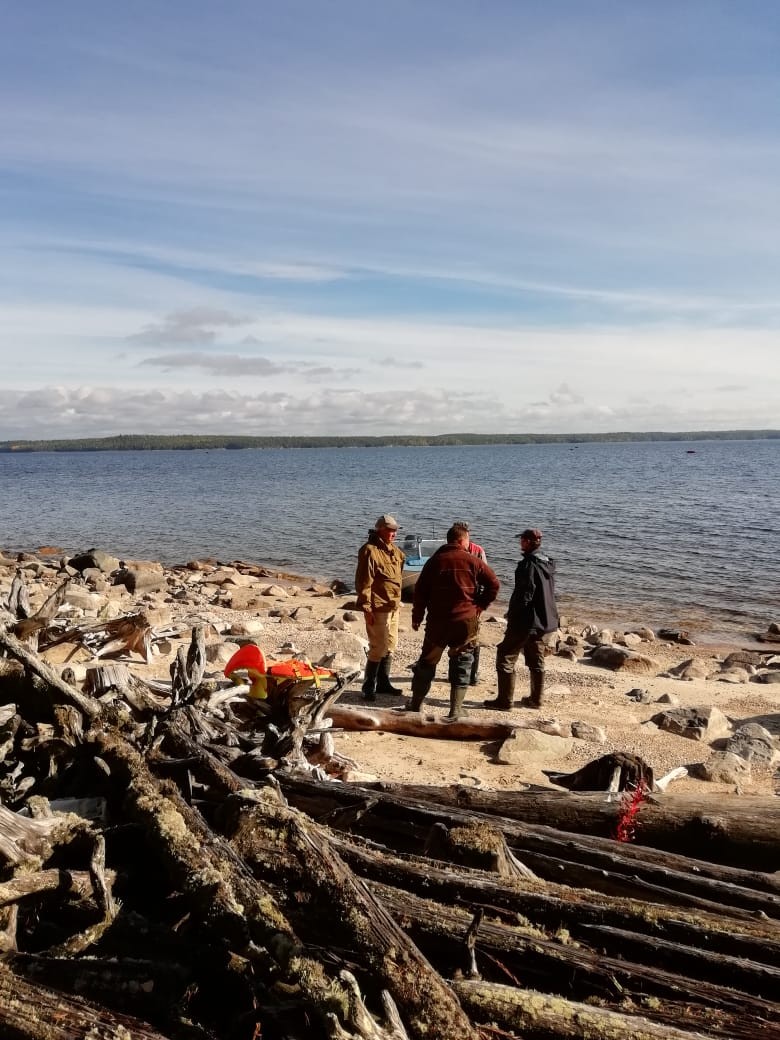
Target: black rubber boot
(475, 668)
(383, 677)
(457, 697)
(369, 681)
(506, 693)
(422, 678)
(537, 691)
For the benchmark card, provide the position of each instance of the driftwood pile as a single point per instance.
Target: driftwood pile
(176, 862)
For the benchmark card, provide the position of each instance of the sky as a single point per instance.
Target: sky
(349, 218)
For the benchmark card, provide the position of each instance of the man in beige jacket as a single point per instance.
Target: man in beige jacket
(378, 586)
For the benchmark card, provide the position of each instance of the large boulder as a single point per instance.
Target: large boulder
(94, 558)
(621, 659)
(691, 668)
(754, 743)
(706, 722)
(532, 748)
(722, 767)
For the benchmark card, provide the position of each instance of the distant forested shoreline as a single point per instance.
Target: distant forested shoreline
(190, 442)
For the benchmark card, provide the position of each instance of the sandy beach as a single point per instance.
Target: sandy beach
(290, 615)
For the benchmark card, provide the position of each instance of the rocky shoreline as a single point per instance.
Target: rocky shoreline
(714, 709)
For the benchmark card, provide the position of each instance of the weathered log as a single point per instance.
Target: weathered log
(611, 866)
(67, 882)
(241, 912)
(416, 724)
(281, 844)
(678, 812)
(520, 954)
(555, 906)
(546, 1017)
(735, 830)
(39, 1013)
(60, 690)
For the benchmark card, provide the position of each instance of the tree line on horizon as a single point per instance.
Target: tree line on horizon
(195, 442)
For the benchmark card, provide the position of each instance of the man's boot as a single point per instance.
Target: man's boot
(457, 696)
(506, 693)
(475, 668)
(383, 677)
(369, 680)
(534, 700)
(421, 684)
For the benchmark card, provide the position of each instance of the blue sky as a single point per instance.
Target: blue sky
(345, 218)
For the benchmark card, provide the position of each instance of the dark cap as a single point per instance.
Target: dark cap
(385, 520)
(532, 534)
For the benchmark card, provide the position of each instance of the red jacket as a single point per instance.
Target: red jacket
(453, 585)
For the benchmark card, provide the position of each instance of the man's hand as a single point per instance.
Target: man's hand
(369, 616)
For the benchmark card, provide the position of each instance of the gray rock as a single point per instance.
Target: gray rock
(621, 659)
(690, 669)
(647, 635)
(631, 639)
(753, 743)
(733, 675)
(705, 722)
(741, 658)
(639, 695)
(302, 613)
(246, 627)
(94, 558)
(586, 731)
(669, 698)
(568, 653)
(767, 677)
(673, 635)
(722, 767)
(350, 615)
(532, 748)
(275, 590)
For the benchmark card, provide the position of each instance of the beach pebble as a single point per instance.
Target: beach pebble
(302, 614)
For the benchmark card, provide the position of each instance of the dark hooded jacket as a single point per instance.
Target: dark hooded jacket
(532, 606)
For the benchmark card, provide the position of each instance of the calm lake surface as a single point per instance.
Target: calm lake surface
(684, 534)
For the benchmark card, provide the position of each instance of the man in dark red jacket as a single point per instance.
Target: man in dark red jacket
(453, 589)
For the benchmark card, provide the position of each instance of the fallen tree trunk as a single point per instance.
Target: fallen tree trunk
(555, 906)
(39, 1013)
(611, 867)
(416, 724)
(545, 1017)
(735, 830)
(673, 817)
(534, 961)
(242, 913)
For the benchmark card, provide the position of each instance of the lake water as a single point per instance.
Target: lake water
(684, 534)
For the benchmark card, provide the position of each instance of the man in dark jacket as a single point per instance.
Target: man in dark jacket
(453, 589)
(532, 613)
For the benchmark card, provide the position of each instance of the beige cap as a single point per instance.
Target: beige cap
(385, 520)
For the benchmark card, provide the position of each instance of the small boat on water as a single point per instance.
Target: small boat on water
(418, 551)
